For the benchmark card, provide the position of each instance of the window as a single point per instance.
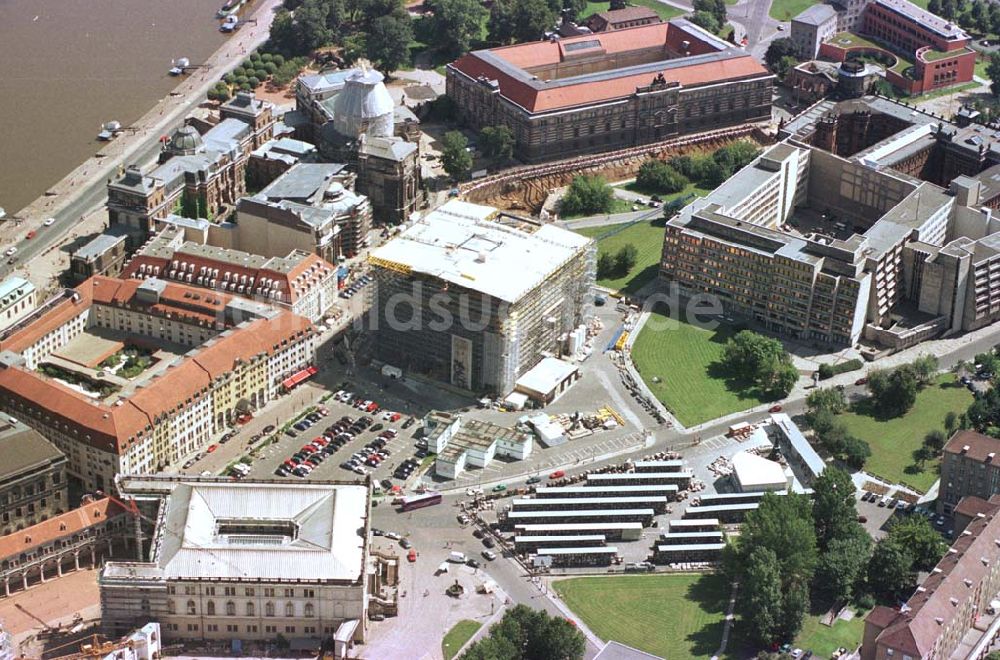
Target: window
(289, 629)
(230, 591)
(268, 608)
(171, 608)
(230, 608)
(309, 610)
(190, 607)
(289, 593)
(289, 610)
(250, 609)
(249, 591)
(308, 593)
(210, 608)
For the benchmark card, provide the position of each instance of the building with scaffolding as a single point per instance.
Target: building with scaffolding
(248, 561)
(475, 297)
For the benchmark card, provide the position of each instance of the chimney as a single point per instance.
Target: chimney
(965, 449)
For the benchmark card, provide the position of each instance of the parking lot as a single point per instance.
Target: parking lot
(333, 438)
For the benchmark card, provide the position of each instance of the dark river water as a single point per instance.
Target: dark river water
(67, 66)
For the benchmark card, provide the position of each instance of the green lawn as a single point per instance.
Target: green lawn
(457, 637)
(824, 640)
(673, 616)
(664, 11)
(617, 206)
(786, 10)
(981, 64)
(955, 89)
(646, 236)
(893, 441)
(685, 359)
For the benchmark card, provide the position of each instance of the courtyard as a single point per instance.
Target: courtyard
(681, 365)
(673, 616)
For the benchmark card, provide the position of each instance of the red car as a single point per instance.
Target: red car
(558, 474)
(372, 407)
(212, 448)
(774, 409)
(30, 234)
(394, 417)
(861, 381)
(411, 556)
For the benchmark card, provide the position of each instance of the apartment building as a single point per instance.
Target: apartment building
(18, 297)
(475, 298)
(949, 613)
(300, 282)
(969, 467)
(32, 477)
(213, 356)
(249, 561)
(610, 90)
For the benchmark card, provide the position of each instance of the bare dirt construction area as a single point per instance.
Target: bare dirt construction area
(56, 603)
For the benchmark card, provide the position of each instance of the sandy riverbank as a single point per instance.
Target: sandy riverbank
(158, 121)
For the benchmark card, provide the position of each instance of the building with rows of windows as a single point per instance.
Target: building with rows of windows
(248, 560)
(610, 90)
(133, 375)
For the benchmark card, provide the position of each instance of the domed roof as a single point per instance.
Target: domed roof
(363, 105)
(186, 139)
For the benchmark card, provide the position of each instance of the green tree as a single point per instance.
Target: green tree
(625, 259)
(778, 378)
(705, 20)
(717, 8)
(842, 566)
(587, 195)
(777, 49)
(993, 69)
(497, 141)
(762, 360)
(826, 398)
(456, 23)
(311, 31)
(455, 156)
(925, 368)
(782, 525)
(935, 439)
(531, 18)
(605, 265)
(527, 634)
(916, 534)
(950, 423)
(760, 595)
(834, 510)
(855, 451)
(388, 42)
(893, 392)
(890, 571)
(659, 177)
(934, 6)
(500, 25)
(283, 36)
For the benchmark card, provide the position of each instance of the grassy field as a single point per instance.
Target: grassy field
(664, 11)
(617, 206)
(981, 64)
(646, 236)
(673, 616)
(685, 359)
(785, 10)
(893, 441)
(956, 89)
(456, 638)
(824, 640)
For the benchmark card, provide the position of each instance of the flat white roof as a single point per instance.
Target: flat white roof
(589, 513)
(690, 547)
(577, 501)
(638, 476)
(546, 375)
(686, 524)
(573, 538)
(461, 244)
(271, 531)
(545, 527)
(578, 551)
(570, 490)
(753, 471)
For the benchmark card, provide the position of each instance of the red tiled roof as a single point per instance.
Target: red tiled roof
(60, 526)
(543, 53)
(980, 446)
(971, 506)
(110, 427)
(957, 576)
(46, 323)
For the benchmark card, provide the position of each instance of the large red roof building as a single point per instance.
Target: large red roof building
(597, 92)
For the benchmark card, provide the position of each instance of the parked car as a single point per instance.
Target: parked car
(489, 555)
(411, 556)
(488, 542)
(558, 474)
(534, 479)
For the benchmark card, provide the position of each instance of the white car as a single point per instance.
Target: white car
(11, 251)
(346, 396)
(49, 222)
